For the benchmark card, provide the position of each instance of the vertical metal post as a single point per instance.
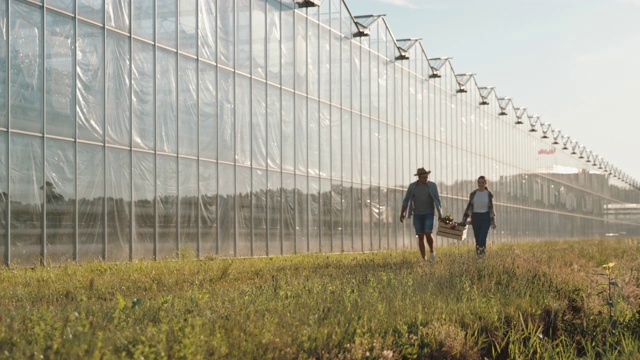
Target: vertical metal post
(251, 192)
(104, 114)
(235, 128)
(132, 215)
(281, 189)
(267, 172)
(8, 169)
(217, 155)
(43, 48)
(198, 202)
(177, 78)
(155, 152)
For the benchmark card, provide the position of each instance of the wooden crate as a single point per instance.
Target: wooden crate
(459, 233)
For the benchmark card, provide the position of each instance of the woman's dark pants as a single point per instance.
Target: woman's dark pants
(481, 223)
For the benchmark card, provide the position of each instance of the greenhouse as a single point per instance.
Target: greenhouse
(141, 129)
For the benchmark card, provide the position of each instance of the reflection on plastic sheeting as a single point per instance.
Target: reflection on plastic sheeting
(26, 58)
(90, 82)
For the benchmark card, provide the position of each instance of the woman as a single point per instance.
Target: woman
(482, 213)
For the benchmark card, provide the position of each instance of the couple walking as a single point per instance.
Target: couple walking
(422, 202)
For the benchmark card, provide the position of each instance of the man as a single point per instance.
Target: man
(423, 201)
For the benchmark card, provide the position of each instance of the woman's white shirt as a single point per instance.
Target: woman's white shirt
(481, 202)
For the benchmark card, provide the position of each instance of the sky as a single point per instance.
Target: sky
(572, 62)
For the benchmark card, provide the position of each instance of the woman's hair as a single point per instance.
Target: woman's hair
(486, 181)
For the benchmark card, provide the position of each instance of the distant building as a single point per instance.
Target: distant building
(622, 212)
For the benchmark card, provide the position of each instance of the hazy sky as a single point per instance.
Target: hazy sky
(573, 62)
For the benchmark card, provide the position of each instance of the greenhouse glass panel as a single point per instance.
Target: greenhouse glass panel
(60, 191)
(336, 144)
(92, 10)
(325, 225)
(188, 106)
(301, 134)
(273, 41)
(258, 38)
(375, 152)
(243, 199)
(65, 5)
(259, 125)
(349, 240)
(387, 218)
(288, 139)
(288, 214)
(242, 44)
(356, 76)
(336, 72)
(336, 217)
(325, 143)
(227, 210)
(259, 212)
(143, 22)
(347, 146)
(90, 82)
(208, 112)
(59, 73)
(366, 203)
(117, 14)
(167, 206)
(91, 191)
(243, 120)
(325, 13)
(26, 169)
(324, 64)
(359, 243)
(207, 30)
(226, 33)
(314, 137)
(345, 65)
(26, 86)
(313, 215)
(118, 186)
(187, 26)
(365, 149)
(167, 102)
(287, 49)
(357, 151)
(143, 100)
(301, 213)
(188, 190)
(374, 97)
(144, 206)
(274, 130)
(118, 89)
(208, 183)
(166, 26)
(385, 151)
(226, 115)
(274, 211)
(313, 73)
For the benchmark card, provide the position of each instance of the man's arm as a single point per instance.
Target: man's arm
(405, 202)
(436, 199)
(403, 213)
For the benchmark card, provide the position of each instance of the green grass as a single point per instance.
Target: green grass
(540, 300)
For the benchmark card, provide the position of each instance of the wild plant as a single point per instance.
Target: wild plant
(611, 291)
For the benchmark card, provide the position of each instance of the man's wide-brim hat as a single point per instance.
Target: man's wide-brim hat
(422, 171)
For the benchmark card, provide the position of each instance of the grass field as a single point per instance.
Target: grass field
(548, 300)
